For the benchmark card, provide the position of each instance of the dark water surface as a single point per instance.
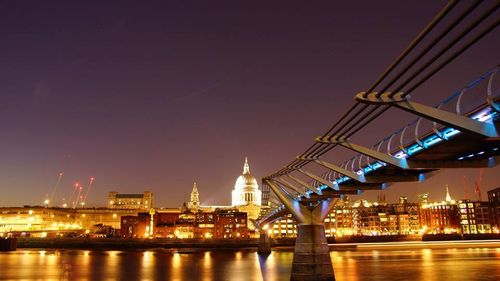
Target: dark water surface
(413, 264)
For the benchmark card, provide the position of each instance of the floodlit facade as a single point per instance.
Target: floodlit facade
(194, 202)
(360, 218)
(474, 217)
(186, 225)
(247, 196)
(36, 219)
(246, 189)
(494, 201)
(42, 221)
(143, 202)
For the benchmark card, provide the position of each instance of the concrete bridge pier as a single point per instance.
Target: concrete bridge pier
(264, 244)
(264, 239)
(311, 259)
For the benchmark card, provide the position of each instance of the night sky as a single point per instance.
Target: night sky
(153, 95)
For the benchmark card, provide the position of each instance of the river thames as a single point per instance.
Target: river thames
(366, 263)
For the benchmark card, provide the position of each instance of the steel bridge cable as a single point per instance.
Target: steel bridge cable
(434, 42)
(341, 118)
(474, 24)
(324, 148)
(430, 26)
(405, 53)
(408, 49)
(452, 57)
(356, 115)
(443, 64)
(429, 46)
(452, 43)
(320, 150)
(368, 120)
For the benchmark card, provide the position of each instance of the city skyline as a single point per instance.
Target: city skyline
(158, 96)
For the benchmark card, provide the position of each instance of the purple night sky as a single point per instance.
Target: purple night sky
(153, 95)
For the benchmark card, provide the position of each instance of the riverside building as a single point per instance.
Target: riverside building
(143, 202)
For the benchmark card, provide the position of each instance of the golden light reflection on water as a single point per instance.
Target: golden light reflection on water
(111, 264)
(147, 266)
(424, 264)
(427, 265)
(238, 256)
(207, 267)
(345, 266)
(176, 265)
(113, 259)
(276, 266)
(86, 258)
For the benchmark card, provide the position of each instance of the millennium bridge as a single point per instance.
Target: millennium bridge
(459, 132)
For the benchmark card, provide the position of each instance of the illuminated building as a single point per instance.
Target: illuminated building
(130, 201)
(129, 226)
(194, 203)
(361, 218)
(89, 217)
(247, 196)
(465, 217)
(448, 196)
(423, 198)
(284, 227)
(474, 217)
(494, 201)
(440, 217)
(164, 221)
(246, 190)
(340, 220)
(205, 225)
(408, 216)
(230, 224)
(186, 224)
(34, 220)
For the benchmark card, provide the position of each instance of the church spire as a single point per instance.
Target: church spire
(194, 203)
(246, 167)
(448, 196)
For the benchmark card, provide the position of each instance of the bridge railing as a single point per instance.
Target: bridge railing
(409, 139)
(420, 133)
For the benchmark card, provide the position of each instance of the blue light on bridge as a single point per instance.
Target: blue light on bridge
(421, 177)
(487, 115)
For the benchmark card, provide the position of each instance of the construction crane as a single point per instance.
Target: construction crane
(91, 181)
(77, 185)
(54, 189)
(479, 182)
(466, 192)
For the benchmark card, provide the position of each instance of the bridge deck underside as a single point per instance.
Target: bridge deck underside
(461, 145)
(463, 150)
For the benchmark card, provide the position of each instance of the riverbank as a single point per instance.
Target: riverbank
(129, 244)
(340, 243)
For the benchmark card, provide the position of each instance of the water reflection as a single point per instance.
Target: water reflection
(425, 264)
(176, 267)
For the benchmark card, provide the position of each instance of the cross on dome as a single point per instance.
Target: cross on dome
(246, 167)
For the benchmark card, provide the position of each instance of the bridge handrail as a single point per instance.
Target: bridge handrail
(406, 146)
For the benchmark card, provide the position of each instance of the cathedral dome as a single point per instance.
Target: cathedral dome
(246, 182)
(246, 190)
